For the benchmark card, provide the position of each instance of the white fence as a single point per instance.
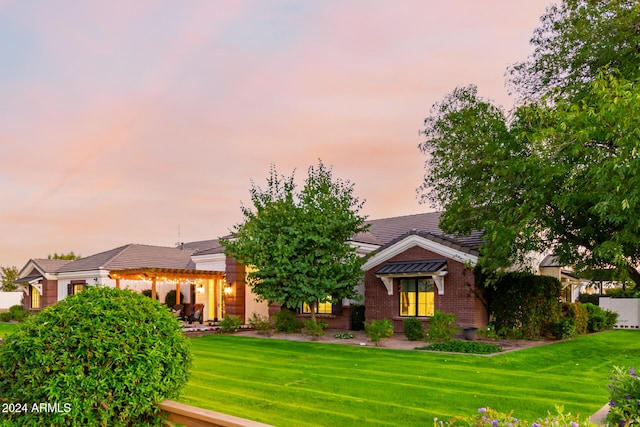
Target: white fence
(628, 310)
(7, 299)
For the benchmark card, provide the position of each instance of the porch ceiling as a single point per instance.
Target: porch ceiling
(164, 274)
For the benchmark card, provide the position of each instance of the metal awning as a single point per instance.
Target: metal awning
(413, 267)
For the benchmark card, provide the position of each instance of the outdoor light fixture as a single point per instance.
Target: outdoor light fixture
(228, 290)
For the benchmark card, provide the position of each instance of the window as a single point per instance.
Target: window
(321, 308)
(35, 297)
(417, 297)
(75, 287)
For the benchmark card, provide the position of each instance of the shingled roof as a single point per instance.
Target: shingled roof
(384, 231)
(133, 256)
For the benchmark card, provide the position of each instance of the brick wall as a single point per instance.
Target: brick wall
(235, 303)
(459, 293)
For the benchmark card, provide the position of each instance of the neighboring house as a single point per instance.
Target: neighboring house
(412, 269)
(571, 283)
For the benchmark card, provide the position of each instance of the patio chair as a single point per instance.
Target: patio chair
(197, 314)
(177, 310)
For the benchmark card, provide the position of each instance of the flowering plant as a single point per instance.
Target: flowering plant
(624, 397)
(488, 417)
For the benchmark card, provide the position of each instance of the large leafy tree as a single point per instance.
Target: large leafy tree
(296, 241)
(562, 171)
(8, 276)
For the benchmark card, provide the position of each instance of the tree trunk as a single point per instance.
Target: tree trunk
(313, 306)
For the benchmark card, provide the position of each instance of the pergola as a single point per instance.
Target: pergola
(154, 275)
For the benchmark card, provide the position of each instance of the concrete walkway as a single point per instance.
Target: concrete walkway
(600, 416)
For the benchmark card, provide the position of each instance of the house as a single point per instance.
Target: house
(412, 269)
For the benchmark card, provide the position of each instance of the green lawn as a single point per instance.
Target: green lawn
(288, 383)
(6, 328)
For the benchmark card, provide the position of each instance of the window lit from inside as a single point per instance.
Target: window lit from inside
(35, 298)
(417, 297)
(321, 308)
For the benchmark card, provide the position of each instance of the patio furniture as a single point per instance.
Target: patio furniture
(197, 314)
(177, 310)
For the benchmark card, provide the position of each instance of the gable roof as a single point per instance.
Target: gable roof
(44, 265)
(133, 256)
(383, 231)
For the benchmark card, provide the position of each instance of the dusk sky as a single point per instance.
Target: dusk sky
(145, 121)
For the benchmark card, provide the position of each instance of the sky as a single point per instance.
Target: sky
(146, 121)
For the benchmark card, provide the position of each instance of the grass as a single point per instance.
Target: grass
(289, 383)
(7, 328)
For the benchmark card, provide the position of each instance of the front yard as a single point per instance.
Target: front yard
(289, 383)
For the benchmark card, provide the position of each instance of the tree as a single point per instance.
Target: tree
(69, 256)
(296, 241)
(9, 275)
(563, 170)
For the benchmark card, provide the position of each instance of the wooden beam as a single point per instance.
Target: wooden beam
(178, 293)
(153, 289)
(192, 416)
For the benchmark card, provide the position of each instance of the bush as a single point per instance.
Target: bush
(574, 321)
(378, 329)
(413, 329)
(260, 324)
(170, 298)
(563, 329)
(18, 313)
(599, 318)
(442, 327)
(488, 417)
(230, 324)
(5, 316)
(457, 346)
(148, 292)
(624, 397)
(315, 328)
(357, 317)
(107, 354)
(286, 321)
(589, 298)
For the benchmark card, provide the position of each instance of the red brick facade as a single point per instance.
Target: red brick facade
(459, 293)
(235, 302)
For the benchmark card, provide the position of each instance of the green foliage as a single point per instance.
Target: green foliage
(564, 166)
(578, 312)
(413, 329)
(627, 292)
(68, 256)
(378, 329)
(230, 324)
(110, 354)
(285, 321)
(488, 417)
(564, 328)
(18, 313)
(522, 305)
(600, 319)
(8, 276)
(170, 298)
(297, 240)
(442, 327)
(589, 298)
(148, 293)
(357, 317)
(457, 346)
(343, 335)
(261, 324)
(624, 397)
(5, 316)
(315, 328)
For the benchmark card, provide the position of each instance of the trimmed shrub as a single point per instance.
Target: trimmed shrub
(599, 318)
(105, 355)
(522, 305)
(413, 329)
(148, 292)
(18, 313)
(286, 321)
(442, 327)
(5, 316)
(457, 346)
(230, 324)
(170, 298)
(357, 317)
(565, 328)
(589, 298)
(378, 329)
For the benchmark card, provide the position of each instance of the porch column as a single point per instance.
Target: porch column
(117, 283)
(178, 292)
(153, 288)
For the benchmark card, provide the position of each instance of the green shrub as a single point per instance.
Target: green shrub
(357, 317)
(624, 397)
(261, 324)
(230, 324)
(148, 292)
(457, 346)
(487, 417)
(589, 298)
(378, 329)
(612, 319)
(315, 328)
(170, 298)
(343, 335)
(565, 328)
(5, 316)
(286, 321)
(413, 329)
(18, 313)
(597, 318)
(522, 305)
(442, 327)
(107, 354)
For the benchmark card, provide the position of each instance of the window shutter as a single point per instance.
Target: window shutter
(69, 289)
